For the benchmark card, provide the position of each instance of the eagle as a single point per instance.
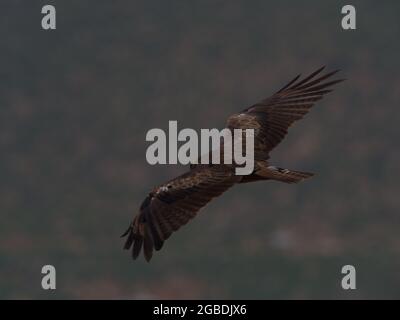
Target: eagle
(174, 203)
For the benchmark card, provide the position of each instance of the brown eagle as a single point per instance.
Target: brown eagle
(172, 204)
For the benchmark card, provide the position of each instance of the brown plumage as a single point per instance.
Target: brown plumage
(173, 204)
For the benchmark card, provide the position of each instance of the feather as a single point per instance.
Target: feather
(148, 244)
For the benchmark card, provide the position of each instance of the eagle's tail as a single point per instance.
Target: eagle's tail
(284, 175)
(278, 174)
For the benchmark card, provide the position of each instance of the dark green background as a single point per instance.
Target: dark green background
(75, 106)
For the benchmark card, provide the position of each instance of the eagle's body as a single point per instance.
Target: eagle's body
(172, 204)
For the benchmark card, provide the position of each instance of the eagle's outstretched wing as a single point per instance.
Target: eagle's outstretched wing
(271, 117)
(173, 204)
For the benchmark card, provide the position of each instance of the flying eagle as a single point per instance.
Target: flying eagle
(172, 204)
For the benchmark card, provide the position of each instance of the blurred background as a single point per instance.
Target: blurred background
(75, 106)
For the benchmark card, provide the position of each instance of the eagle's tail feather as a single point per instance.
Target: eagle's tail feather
(284, 175)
